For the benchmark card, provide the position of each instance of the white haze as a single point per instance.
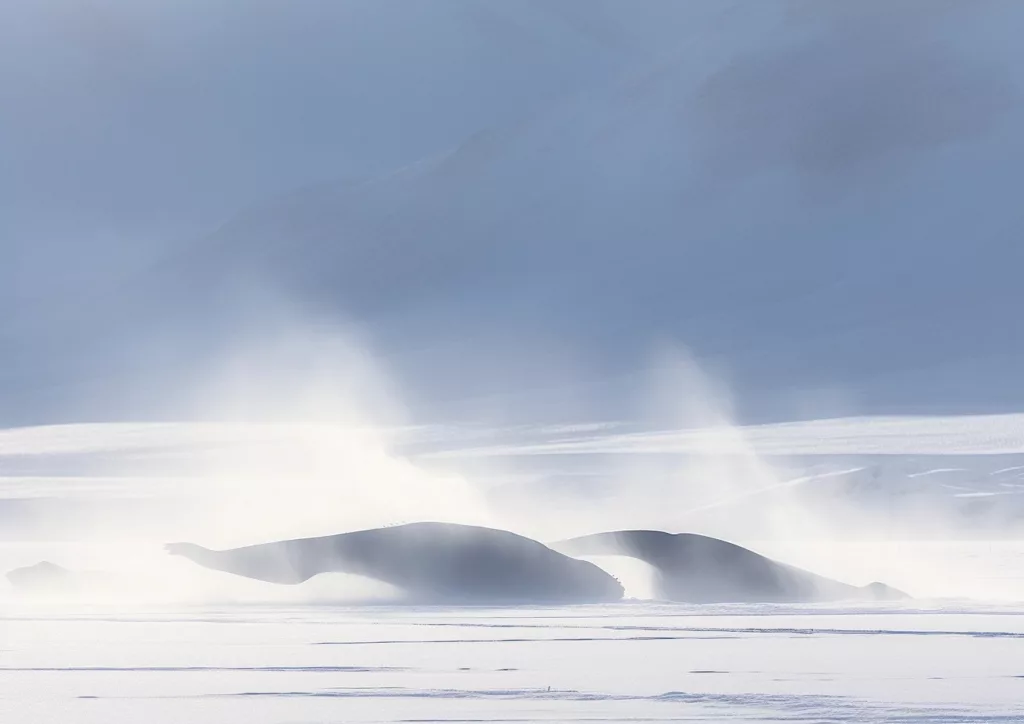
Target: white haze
(313, 439)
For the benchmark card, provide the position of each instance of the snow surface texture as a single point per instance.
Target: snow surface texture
(641, 662)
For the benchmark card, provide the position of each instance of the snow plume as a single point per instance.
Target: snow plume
(637, 485)
(322, 420)
(298, 425)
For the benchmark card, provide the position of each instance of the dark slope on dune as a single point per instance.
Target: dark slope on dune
(434, 561)
(451, 563)
(698, 569)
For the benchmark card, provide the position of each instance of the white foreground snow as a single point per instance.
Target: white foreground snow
(628, 662)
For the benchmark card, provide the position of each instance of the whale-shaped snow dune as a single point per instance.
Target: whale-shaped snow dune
(471, 564)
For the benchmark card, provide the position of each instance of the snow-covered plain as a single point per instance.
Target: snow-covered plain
(629, 662)
(200, 647)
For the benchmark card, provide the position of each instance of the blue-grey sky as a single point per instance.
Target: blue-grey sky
(179, 113)
(809, 196)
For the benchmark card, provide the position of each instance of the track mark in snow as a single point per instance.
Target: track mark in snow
(784, 707)
(803, 631)
(187, 669)
(539, 640)
(849, 632)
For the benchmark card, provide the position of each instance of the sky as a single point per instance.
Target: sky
(518, 206)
